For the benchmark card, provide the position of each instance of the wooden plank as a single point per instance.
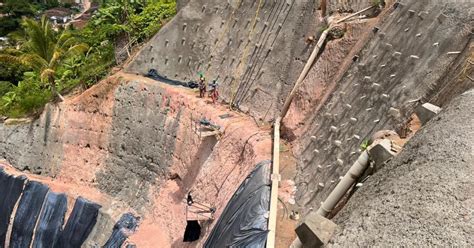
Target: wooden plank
(356, 13)
(209, 133)
(275, 181)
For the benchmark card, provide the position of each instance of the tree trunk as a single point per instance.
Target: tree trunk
(54, 91)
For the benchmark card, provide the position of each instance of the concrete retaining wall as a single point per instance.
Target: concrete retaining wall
(423, 197)
(414, 48)
(255, 49)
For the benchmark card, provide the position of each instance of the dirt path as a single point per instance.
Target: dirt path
(285, 232)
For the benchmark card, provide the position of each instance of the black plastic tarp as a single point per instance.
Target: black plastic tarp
(122, 229)
(10, 190)
(79, 225)
(244, 222)
(153, 74)
(27, 214)
(192, 231)
(51, 221)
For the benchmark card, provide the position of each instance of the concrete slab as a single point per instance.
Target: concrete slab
(426, 111)
(381, 152)
(315, 231)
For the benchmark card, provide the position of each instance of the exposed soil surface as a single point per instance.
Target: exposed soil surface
(212, 176)
(329, 68)
(285, 232)
(133, 144)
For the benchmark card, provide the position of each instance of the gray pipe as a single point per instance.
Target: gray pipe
(347, 181)
(340, 190)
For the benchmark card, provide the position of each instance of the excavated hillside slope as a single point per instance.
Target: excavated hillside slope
(413, 54)
(132, 144)
(255, 49)
(424, 196)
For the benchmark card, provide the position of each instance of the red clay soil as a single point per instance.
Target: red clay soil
(285, 229)
(84, 123)
(213, 182)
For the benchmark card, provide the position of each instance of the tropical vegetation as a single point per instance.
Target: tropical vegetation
(42, 62)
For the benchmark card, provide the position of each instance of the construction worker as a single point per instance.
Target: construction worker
(202, 86)
(189, 199)
(213, 93)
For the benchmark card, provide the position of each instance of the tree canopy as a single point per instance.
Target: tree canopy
(45, 61)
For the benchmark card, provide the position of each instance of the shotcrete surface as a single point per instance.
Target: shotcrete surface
(255, 49)
(405, 58)
(132, 143)
(424, 197)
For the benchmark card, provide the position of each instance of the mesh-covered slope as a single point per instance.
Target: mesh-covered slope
(255, 49)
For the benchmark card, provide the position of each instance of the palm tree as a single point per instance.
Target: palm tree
(43, 49)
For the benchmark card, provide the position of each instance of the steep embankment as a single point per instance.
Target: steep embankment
(255, 49)
(405, 62)
(424, 196)
(134, 141)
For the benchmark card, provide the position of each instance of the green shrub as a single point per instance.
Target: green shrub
(97, 64)
(11, 72)
(146, 23)
(376, 2)
(138, 19)
(5, 87)
(364, 145)
(8, 24)
(28, 97)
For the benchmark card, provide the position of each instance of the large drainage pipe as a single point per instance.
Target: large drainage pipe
(340, 190)
(356, 170)
(354, 173)
(305, 71)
